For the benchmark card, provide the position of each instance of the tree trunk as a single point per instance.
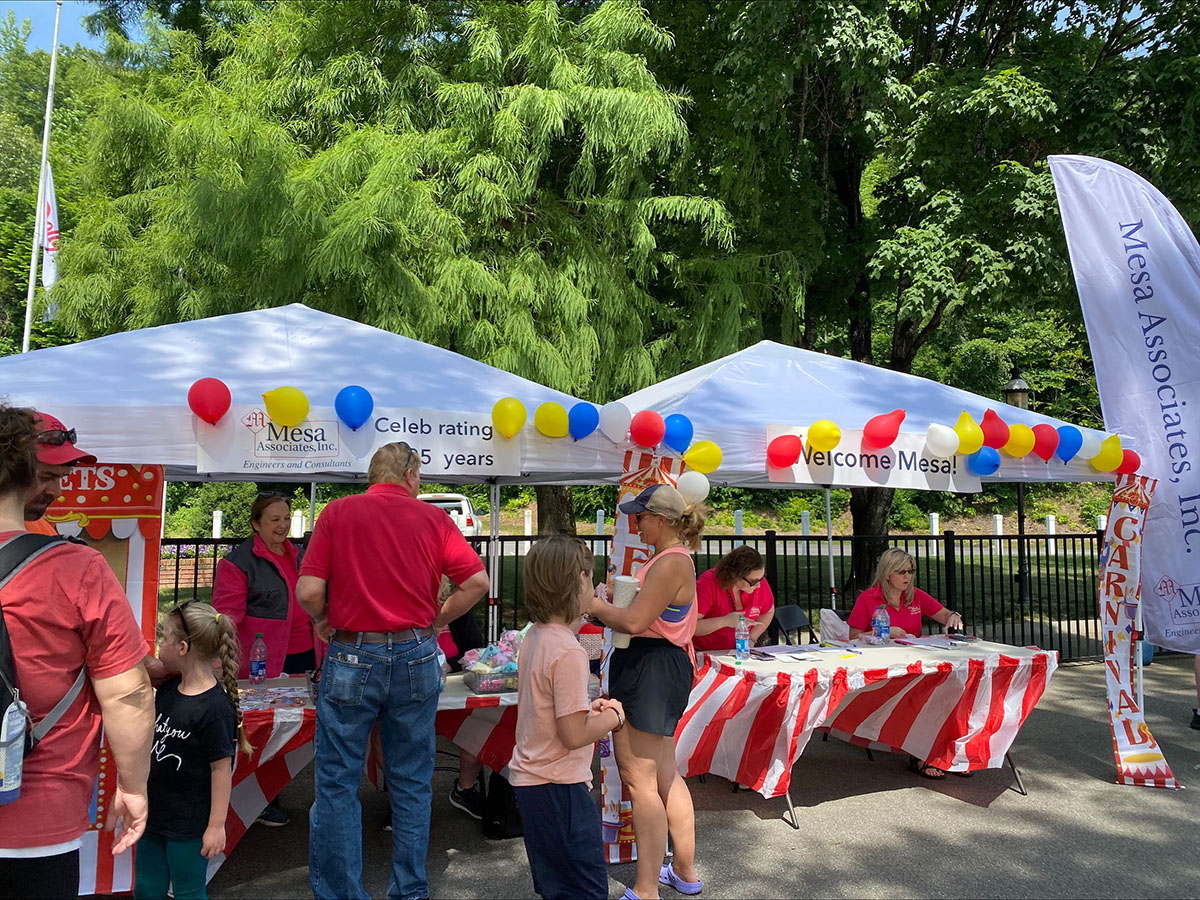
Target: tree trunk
(556, 510)
(870, 508)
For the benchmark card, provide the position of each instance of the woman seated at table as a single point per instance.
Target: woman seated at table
(905, 604)
(255, 585)
(733, 588)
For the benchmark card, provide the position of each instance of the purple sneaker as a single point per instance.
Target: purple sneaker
(668, 877)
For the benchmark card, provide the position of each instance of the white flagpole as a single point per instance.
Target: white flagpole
(37, 231)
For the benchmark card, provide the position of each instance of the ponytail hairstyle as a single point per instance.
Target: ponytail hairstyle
(211, 635)
(690, 526)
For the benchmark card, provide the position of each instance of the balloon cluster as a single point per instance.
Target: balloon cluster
(981, 442)
(614, 420)
(209, 399)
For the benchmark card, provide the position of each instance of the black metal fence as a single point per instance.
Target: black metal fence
(977, 575)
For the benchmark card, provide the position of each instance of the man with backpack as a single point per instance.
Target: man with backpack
(71, 659)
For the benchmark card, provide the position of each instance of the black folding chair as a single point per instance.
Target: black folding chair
(792, 618)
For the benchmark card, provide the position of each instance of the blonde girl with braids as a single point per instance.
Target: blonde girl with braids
(197, 733)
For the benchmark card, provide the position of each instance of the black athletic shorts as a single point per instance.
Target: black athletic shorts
(653, 679)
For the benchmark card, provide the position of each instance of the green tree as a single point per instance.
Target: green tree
(491, 182)
(894, 153)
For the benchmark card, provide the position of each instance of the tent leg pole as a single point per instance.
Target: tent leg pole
(312, 505)
(829, 550)
(493, 613)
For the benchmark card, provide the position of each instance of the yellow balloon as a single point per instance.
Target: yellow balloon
(508, 415)
(824, 435)
(703, 456)
(286, 405)
(1110, 454)
(970, 435)
(1020, 441)
(551, 419)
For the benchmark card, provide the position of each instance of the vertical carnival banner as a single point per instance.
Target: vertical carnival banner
(1137, 268)
(1139, 759)
(640, 470)
(116, 509)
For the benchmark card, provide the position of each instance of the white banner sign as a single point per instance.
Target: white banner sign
(1137, 268)
(905, 464)
(450, 443)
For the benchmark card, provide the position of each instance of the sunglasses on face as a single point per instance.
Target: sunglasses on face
(754, 582)
(56, 437)
(906, 571)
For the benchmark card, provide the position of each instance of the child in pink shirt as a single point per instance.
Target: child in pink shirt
(551, 768)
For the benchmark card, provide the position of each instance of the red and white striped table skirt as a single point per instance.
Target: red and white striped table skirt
(959, 709)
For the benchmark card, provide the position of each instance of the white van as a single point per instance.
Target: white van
(460, 509)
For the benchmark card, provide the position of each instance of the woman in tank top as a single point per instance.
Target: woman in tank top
(652, 678)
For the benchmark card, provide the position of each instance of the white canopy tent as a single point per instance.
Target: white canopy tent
(126, 394)
(731, 401)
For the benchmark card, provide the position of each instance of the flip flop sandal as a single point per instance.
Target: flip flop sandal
(924, 769)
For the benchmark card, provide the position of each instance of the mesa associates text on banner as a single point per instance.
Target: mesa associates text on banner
(1139, 758)
(1137, 268)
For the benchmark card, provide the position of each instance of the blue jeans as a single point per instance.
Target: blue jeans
(398, 685)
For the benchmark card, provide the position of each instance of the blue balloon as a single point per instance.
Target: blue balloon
(983, 461)
(582, 419)
(1070, 439)
(354, 405)
(678, 435)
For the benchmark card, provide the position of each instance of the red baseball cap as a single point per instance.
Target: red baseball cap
(56, 444)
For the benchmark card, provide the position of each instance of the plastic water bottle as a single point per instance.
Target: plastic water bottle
(12, 751)
(881, 624)
(258, 660)
(741, 641)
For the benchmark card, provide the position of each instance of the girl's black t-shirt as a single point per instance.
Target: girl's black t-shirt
(190, 733)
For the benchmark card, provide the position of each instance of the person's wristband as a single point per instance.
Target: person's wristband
(620, 719)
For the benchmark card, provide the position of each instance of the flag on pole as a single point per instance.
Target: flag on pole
(48, 230)
(1137, 268)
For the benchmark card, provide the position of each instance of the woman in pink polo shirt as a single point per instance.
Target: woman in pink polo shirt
(905, 604)
(735, 587)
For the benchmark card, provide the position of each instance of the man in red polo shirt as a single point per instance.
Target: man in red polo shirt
(370, 578)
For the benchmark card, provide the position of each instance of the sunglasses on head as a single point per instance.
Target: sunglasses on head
(272, 495)
(179, 608)
(56, 437)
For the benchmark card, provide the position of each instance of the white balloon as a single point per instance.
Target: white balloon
(941, 440)
(1091, 444)
(692, 486)
(614, 421)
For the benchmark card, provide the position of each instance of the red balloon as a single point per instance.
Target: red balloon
(1130, 463)
(647, 428)
(209, 399)
(995, 431)
(1045, 441)
(784, 451)
(881, 431)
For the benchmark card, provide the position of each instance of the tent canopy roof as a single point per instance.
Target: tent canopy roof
(731, 401)
(126, 393)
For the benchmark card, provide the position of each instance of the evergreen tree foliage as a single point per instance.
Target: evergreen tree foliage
(492, 183)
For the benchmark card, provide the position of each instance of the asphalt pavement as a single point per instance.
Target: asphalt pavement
(867, 829)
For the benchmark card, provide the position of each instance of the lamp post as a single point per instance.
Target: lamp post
(1016, 393)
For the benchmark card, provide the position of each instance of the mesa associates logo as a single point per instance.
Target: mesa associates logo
(311, 438)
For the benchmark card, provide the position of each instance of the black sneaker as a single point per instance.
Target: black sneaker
(1196, 719)
(272, 817)
(469, 801)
